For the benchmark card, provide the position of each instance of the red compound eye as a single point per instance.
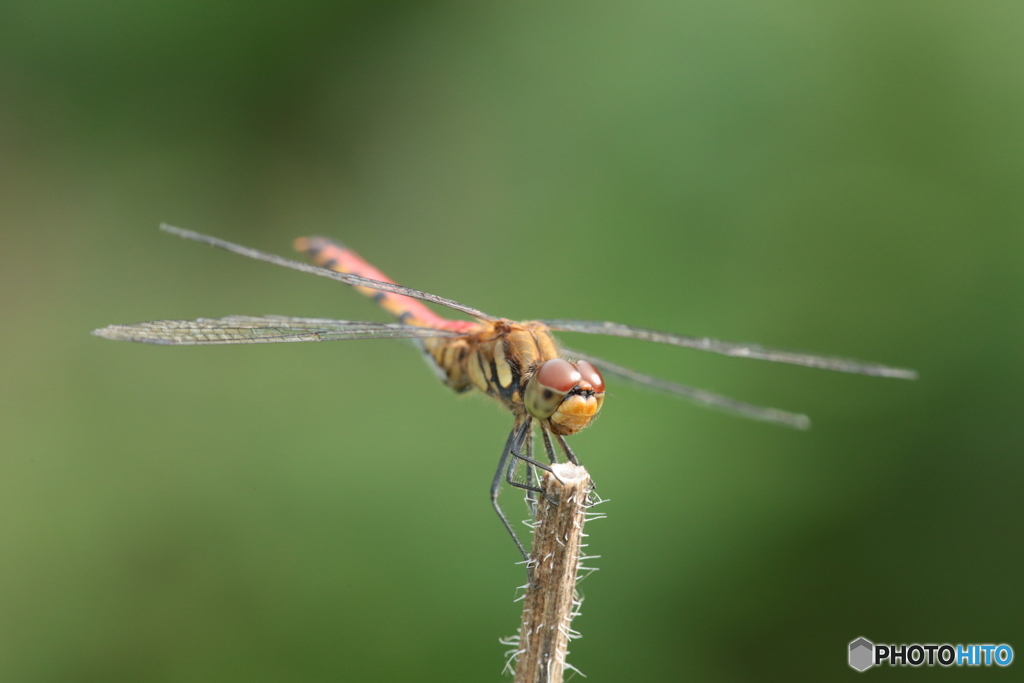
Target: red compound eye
(589, 373)
(558, 375)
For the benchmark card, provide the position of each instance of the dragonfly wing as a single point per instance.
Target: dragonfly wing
(347, 278)
(732, 349)
(704, 398)
(241, 329)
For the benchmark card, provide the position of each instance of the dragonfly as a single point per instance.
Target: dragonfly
(547, 387)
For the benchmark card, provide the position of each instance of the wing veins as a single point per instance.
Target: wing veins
(347, 278)
(732, 349)
(239, 329)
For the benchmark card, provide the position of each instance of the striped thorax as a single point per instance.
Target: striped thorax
(518, 364)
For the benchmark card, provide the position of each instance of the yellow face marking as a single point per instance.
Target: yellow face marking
(578, 406)
(501, 366)
(575, 413)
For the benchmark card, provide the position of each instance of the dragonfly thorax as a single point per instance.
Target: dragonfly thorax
(518, 363)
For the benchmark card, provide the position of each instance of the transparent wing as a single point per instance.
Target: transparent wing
(347, 278)
(243, 329)
(704, 398)
(731, 349)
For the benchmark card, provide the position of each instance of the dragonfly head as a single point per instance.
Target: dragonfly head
(565, 395)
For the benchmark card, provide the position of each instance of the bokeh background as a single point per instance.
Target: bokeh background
(842, 178)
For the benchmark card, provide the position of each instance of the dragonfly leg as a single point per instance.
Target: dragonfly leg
(510, 474)
(568, 451)
(530, 495)
(531, 489)
(572, 456)
(496, 488)
(549, 447)
(528, 458)
(530, 464)
(530, 474)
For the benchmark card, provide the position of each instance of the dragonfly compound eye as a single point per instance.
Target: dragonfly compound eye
(591, 375)
(567, 396)
(549, 385)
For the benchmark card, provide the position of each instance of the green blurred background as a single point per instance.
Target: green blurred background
(842, 178)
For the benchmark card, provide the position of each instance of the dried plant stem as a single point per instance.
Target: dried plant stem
(549, 604)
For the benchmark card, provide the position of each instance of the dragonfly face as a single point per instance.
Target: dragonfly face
(566, 396)
(517, 363)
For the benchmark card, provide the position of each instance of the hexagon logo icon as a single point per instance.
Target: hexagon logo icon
(862, 653)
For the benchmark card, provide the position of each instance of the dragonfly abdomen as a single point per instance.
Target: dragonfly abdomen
(327, 253)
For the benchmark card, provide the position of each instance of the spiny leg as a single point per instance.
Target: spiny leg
(568, 451)
(572, 456)
(528, 457)
(513, 437)
(549, 447)
(531, 489)
(531, 463)
(529, 468)
(513, 463)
